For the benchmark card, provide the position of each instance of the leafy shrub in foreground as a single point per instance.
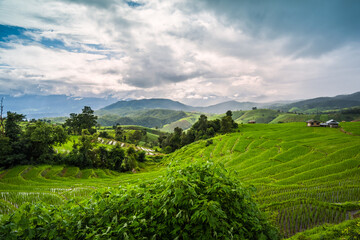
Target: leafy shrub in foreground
(197, 201)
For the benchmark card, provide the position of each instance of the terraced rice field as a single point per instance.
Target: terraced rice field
(304, 176)
(56, 184)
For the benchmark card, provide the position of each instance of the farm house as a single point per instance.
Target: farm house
(332, 123)
(313, 123)
(251, 121)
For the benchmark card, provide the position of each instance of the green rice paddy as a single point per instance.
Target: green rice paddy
(304, 176)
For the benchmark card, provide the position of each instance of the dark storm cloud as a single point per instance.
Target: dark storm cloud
(314, 27)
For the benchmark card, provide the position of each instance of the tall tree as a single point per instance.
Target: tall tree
(39, 139)
(84, 120)
(2, 127)
(12, 125)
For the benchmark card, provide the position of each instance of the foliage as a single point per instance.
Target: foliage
(34, 145)
(39, 138)
(148, 118)
(87, 154)
(305, 177)
(85, 120)
(202, 129)
(349, 230)
(197, 201)
(291, 165)
(12, 126)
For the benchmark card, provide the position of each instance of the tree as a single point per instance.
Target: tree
(136, 136)
(129, 162)
(175, 140)
(141, 156)
(83, 153)
(84, 120)
(87, 119)
(119, 132)
(2, 127)
(11, 148)
(117, 155)
(227, 124)
(39, 139)
(229, 113)
(12, 126)
(5, 151)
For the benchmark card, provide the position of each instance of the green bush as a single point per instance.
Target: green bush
(209, 142)
(197, 201)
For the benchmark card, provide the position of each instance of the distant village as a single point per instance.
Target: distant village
(314, 123)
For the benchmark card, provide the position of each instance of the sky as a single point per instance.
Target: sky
(197, 52)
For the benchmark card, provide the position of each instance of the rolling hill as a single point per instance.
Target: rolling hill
(305, 177)
(124, 107)
(152, 118)
(324, 103)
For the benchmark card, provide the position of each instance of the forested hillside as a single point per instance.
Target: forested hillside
(152, 118)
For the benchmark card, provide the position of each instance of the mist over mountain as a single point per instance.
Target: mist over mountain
(122, 107)
(38, 106)
(324, 103)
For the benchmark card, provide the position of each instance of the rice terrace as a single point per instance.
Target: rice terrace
(305, 177)
(179, 120)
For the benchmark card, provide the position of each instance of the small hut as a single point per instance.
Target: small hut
(252, 121)
(313, 123)
(332, 123)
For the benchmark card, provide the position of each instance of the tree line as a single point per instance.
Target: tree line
(23, 142)
(33, 142)
(202, 129)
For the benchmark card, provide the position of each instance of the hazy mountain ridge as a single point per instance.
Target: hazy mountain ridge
(325, 103)
(145, 117)
(124, 107)
(37, 106)
(322, 103)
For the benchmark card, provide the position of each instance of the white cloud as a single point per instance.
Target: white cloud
(161, 49)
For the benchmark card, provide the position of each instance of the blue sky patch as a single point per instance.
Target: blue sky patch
(8, 33)
(133, 4)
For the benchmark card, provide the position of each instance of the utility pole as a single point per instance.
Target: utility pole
(2, 128)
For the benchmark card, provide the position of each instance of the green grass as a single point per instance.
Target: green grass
(304, 176)
(260, 115)
(351, 127)
(302, 170)
(56, 184)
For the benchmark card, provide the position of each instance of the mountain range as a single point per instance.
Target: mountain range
(310, 105)
(122, 107)
(37, 106)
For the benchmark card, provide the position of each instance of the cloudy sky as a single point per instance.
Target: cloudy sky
(196, 52)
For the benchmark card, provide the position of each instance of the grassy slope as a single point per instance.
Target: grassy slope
(300, 172)
(56, 184)
(353, 128)
(260, 115)
(303, 175)
(188, 121)
(291, 117)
